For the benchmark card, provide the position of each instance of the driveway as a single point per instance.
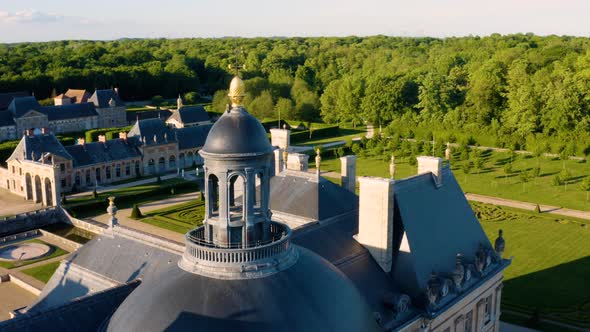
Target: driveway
(11, 204)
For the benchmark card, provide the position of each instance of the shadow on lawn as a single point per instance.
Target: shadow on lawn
(560, 291)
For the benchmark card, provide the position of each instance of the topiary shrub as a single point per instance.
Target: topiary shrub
(135, 212)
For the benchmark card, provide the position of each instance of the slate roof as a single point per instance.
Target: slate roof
(7, 97)
(98, 152)
(300, 196)
(190, 114)
(437, 223)
(6, 119)
(70, 111)
(117, 258)
(150, 128)
(155, 114)
(38, 145)
(82, 314)
(101, 98)
(22, 105)
(192, 137)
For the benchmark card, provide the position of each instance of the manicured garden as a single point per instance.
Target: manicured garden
(178, 218)
(43, 272)
(91, 205)
(551, 266)
(493, 177)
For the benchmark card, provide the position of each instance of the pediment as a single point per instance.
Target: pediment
(31, 114)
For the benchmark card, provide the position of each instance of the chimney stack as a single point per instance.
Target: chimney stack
(280, 138)
(433, 165)
(81, 141)
(44, 130)
(348, 172)
(28, 132)
(123, 135)
(297, 162)
(376, 219)
(102, 138)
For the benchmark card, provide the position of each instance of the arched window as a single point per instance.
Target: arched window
(172, 162)
(189, 159)
(258, 190)
(162, 165)
(213, 194)
(77, 179)
(118, 170)
(108, 172)
(236, 197)
(151, 166)
(181, 160)
(127, 169)
(97, 173)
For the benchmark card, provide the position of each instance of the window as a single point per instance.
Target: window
(63, 183)
(20, 171)
(487, 312)
(62, 167)
(127, 169)
(13, 170)
(469, 322)
(87, 177)
(108, 171)
(118, 171)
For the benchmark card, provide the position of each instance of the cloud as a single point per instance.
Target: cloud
(30, 16)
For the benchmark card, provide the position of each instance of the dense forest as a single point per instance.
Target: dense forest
(517, 91)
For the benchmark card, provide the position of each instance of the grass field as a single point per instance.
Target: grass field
(178, 218)
(345, 134)
(57, 251)
(42, 273)
(492, 180)
(551, 265)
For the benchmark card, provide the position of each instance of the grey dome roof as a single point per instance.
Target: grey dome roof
(312, 295)
(237, 132)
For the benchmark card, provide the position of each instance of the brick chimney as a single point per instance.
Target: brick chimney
(81, 141)
(44, 130)
(123, 135)
(433, 165)
(28, 132)
(376, 219)
(102, 138)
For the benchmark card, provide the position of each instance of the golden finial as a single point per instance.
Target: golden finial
(237, 87)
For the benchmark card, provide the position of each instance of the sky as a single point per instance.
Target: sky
(42, 20)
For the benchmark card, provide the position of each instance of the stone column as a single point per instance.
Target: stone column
(222, 225)
(43, 192)
(348, 172)
(56, 186)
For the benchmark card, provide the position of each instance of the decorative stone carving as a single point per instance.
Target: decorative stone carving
(398, 303)
(112, 103)
(112, 211)
(445, 287)
(458, 273)
(433, 290)
(480, 258)
(500, 244)
(318, 160)
(392, 167)
(448, 152)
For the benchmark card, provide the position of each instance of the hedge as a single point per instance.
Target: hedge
(302, 136)
(92, 135)
(6, 149)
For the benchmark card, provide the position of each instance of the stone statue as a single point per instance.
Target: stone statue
(112, 103)
(433, 290)
(285, 157)
(480, 258)
(318, 160)
(178, 102)
(500, 244)
(112, 211)
(458, 273)
(448, 152)
(392, 167)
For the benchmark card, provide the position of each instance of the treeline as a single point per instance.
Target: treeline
(499, 90)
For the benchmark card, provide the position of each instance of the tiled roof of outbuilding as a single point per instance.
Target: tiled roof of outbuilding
(22, 105)
(71, 111)
(101, 98)
(192, 137)
(7, 97)
(190, 114)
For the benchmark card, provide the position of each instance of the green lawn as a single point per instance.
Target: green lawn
(178, 218)
(551, 265)
(491, 180)
(43, 272)
(126, 197)
(345, 134)
(57, 251)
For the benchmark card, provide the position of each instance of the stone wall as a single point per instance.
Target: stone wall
(30, 220)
